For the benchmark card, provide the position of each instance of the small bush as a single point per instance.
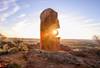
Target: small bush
(13, 50)
(2, 52)
(23, 47)
(14, 65)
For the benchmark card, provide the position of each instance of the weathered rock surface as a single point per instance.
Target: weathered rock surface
(49, 23)
(48, 18)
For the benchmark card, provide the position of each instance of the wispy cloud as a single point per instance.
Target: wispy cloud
(77, 26)
(4, 13)
(26, 29)
(21, 15)
(72, 25)
(3, 6)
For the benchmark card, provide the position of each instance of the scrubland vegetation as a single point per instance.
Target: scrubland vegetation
(18, 53)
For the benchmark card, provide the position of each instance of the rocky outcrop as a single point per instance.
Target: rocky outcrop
(37, 58)
(63, 58)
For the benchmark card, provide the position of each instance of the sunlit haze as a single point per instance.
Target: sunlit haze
(79, 19)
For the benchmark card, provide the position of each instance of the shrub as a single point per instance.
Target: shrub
(14, 65)
(23, 47)
(13, 50)
(6, 47)
(2, 52)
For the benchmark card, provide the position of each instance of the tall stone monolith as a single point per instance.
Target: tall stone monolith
(49, 26)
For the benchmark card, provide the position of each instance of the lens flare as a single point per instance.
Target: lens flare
(56, 32)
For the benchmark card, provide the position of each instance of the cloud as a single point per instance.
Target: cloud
(72, 26)
(77, 26)
(3, 6)
(21, 15)
(26, 29)
(4, 13)
(2, 18)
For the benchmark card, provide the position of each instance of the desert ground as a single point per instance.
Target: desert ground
(26, 53)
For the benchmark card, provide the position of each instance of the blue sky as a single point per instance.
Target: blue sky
(79, 19)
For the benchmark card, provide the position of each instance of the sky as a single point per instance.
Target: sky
(79, 19)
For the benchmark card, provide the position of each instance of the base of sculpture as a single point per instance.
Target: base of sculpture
(50, 43)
